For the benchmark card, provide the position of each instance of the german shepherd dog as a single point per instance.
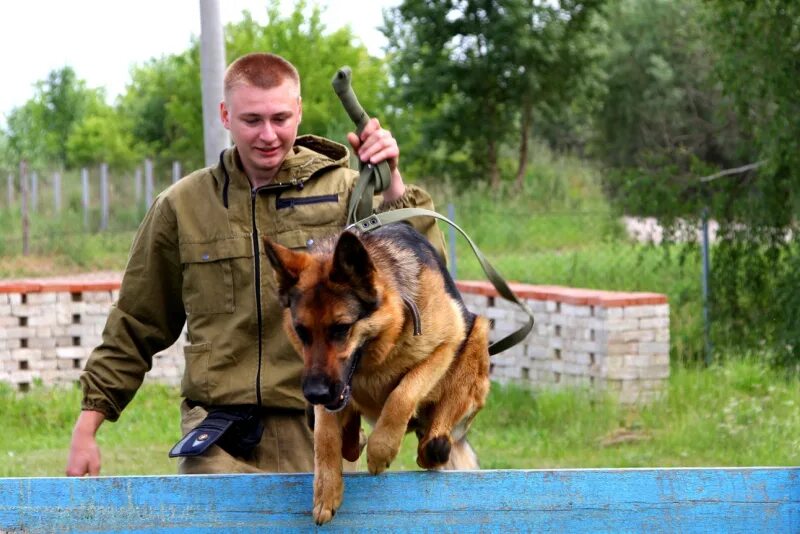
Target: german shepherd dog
(385, 334)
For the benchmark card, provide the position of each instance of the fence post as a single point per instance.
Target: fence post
(10, 189)
(104, 196)
(176, 171)
(85, 197)
(57, 192)
(705, 284)
(34, 192)
(451, 240)
(137, 179)
(23, 181)
(148, 183)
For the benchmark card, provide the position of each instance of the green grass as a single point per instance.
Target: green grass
(739, 413)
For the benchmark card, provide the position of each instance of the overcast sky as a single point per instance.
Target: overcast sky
(102, 39)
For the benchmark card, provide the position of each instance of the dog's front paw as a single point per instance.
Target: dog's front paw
(327, 498)
(434, 453)
(381, 452)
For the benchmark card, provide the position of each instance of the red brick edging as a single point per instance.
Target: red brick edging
(567, 295)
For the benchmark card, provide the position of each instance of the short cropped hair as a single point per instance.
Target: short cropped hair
(261, 70)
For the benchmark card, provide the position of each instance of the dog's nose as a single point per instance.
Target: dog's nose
(320, 389)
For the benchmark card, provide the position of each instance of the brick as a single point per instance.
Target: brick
(25, 354)
(576, 311)
(653, 348)
(41, 320)
(654, 323)
(71, 353)
(654, 372)
(622, 373)
(618, 325)
(35, 299)
(41, 342)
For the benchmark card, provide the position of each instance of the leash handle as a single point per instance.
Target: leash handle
(373, 179)
(377, 220)
(344, 90)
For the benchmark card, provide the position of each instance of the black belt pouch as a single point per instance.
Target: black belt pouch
(237, 429)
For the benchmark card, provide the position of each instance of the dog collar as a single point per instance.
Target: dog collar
(412, 308)
(344, 396)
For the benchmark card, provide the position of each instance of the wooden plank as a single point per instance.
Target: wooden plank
(746, 500)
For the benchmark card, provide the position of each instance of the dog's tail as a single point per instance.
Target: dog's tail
(462, 457)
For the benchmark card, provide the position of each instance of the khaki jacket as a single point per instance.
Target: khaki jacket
(198, 258)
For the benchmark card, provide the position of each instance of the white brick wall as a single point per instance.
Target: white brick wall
(47, 336)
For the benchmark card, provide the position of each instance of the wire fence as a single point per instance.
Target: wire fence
(576, 248)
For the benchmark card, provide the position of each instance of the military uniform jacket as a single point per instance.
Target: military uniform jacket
(198, 258)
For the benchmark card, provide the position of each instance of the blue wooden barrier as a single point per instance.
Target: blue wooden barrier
(746, 500)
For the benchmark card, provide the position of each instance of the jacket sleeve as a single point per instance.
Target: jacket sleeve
(416, 197)
(147, 318)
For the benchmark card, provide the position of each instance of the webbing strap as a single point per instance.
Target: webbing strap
(377, 220)
(372, 179)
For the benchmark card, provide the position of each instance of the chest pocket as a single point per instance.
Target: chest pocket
(311, 211)
(208, 274)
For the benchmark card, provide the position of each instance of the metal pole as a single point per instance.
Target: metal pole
(10, 189)
(103, 196)
(34, 192)
(212, 68)
(176, 171)
(451, 240)
(705, 282)
(23, 182)
(138, 185)
(85, 197)
(57, 192)
(148, 183)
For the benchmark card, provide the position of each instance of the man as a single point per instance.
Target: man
(198, 259)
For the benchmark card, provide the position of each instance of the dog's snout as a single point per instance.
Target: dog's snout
(320, 389)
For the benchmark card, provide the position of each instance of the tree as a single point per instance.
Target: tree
(164, 105)
(757, 261)
(478, 69)
(38, 131)
(317, 54)
(103, 136)
(663, 120)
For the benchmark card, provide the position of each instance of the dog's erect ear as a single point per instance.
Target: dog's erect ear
(352, 266)
(287, 265)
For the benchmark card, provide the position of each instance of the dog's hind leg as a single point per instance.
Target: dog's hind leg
(464, 388)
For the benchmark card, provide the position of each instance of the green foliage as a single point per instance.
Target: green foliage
(756, 263)
(163, 107)
(303, 39)
(468, 76)
(663, 121)
(163, 102)
(102, 137)
(38, 131)
(694, 87)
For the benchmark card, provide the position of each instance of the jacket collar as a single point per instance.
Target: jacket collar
(310, 155)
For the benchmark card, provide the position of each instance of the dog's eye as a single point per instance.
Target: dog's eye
(303, 333)
(338, 332)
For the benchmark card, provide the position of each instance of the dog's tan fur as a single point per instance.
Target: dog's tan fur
(433, 383)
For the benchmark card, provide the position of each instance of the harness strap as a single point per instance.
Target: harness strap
(377, 220)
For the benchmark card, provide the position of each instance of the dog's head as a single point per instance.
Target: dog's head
(330, 296)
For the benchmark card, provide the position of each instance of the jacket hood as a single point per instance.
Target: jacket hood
(311, 155)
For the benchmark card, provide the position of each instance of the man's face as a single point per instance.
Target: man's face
(263, 125)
